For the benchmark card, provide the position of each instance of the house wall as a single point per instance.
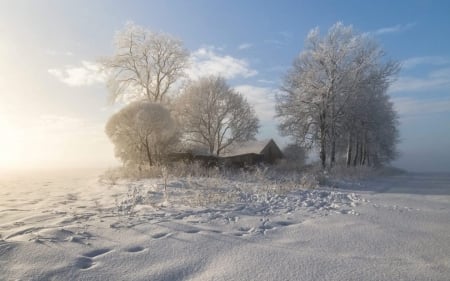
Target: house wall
(241, 161)
(272, 152)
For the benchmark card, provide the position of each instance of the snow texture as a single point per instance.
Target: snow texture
(72, 227)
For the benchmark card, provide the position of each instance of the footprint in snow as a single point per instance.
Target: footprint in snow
(160, 235)
(96, 253)
(135, 249)
(84, 263)
(244, 231)
(191, 231)
(284, 223)
(266, 226)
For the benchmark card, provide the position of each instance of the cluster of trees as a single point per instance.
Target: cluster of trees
(142, 72)
(334, 98)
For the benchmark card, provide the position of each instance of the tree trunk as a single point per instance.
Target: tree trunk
(323, 147)
(349, 150)
(365, 150)
(149, 155)
(361, 152)
(355, 160)
(333, 133)
(211, 148)
(364, 157)
(333, 152)
(323, 155)
(218, 143)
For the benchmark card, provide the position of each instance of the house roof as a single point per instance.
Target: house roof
(255, 147)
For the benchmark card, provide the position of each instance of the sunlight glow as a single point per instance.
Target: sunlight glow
(53, 142)
(10, 146)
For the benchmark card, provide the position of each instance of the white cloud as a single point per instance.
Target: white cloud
(438, 79)
(427, 60)
(394, 29)
(407, 107)
(86, 74)
(245, 46)
(205, 61)
(262, 99)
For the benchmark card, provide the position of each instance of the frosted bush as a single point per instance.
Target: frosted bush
(135, 195)
(110, 176)
(309, 181)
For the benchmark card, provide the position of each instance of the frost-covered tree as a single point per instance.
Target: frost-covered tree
(324, 86)
(372, 130)
(145, 64)
(214, 115)
(142, 132)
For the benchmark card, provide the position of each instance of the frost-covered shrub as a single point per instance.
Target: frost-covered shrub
(214, 197)
(135, 195)
(309, 181)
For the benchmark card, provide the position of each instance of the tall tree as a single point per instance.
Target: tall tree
(214, 115)
(145, 64)
(370, 121)
(320, 90)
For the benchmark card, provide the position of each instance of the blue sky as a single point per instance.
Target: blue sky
(52, 99)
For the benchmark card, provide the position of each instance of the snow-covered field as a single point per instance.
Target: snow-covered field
(73, 227)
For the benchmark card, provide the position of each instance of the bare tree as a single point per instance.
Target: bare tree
(142, 132)
(323, 87)
(214, 115)
(145, 64)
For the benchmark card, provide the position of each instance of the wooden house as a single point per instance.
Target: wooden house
(241, 155)
(252, 153)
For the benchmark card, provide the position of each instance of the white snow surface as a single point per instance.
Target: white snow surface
(73, 227)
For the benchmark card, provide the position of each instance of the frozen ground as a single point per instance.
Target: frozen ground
(71, 227)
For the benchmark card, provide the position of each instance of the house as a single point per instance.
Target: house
(252, 153)
(241, 155)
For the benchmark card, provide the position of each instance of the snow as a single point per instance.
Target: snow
(73, 227)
